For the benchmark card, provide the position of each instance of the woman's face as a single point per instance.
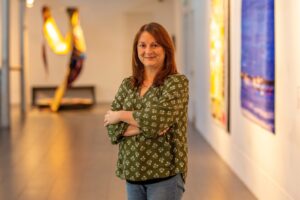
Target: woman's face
(150, 53)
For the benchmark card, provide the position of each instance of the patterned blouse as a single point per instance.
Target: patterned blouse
(149, 155)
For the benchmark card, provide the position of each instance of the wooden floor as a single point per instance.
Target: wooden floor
(67, 156)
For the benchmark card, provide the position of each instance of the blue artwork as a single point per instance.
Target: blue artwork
(258, 62)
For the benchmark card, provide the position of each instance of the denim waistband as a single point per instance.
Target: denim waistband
(151, 181)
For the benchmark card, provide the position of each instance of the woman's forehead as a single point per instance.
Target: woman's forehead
(146, 37)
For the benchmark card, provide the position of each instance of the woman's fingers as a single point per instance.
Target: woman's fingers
(163, 131)
(106, 119)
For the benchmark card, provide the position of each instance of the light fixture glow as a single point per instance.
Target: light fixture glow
(29, 3)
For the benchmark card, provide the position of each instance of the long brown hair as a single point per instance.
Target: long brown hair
(162, 38)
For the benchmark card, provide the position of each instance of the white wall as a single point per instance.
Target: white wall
(104, 24)
(268, 164)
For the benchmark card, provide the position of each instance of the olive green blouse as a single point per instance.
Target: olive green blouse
(149, 155)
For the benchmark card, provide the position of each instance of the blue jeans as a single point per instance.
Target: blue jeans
(170, 189)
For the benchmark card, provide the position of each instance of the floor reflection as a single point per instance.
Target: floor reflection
(67, 156)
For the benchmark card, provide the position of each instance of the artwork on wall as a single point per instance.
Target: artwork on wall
(258, 62)
(219, 62)
(73, 42)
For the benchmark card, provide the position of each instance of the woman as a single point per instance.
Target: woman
(148, 119)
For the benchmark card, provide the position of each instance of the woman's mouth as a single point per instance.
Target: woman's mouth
(152, 57)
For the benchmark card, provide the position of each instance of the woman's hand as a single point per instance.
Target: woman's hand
(163, 131)
(111, 117)
(131, 131)
(134, 130)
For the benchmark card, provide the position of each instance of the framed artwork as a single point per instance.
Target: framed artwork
(258, 62)
(219, 62)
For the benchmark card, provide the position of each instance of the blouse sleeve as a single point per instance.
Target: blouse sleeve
(156, 116)
(115, 131)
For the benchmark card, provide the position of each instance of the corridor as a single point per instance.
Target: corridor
(67, 156)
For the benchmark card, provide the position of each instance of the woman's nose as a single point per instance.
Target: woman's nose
(148, 49)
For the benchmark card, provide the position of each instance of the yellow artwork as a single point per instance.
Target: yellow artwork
(73, 42)
(219, 60)
(58, 44)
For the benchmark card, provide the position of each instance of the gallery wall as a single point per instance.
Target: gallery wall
(267, 163)
(106, 28)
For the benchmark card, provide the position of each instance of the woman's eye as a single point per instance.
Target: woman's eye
(152, 46)
(155, 45)
(141, 45)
